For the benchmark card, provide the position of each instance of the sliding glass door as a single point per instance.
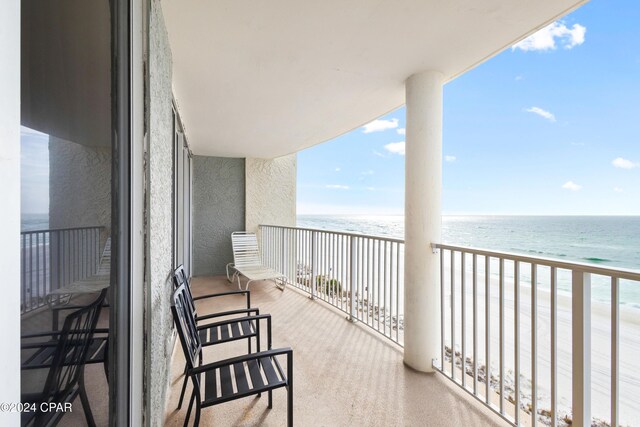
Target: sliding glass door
(75, 211)
(182, 168)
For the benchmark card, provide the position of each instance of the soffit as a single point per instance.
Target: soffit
(269, 78)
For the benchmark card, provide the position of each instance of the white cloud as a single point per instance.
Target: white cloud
(450, 158)
(553, 35)
(570, 185)
(369, 172)
(371, 188)
(401, 131)
(520, 77)
(337, 186)
(542, 113)
(624, 163)
(377, 153)
(380, 125)
(395, 148)
(338, 169)
(618, 190)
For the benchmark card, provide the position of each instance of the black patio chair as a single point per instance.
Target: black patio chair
(258, 365)
(180, 277)
(65, 355)
(236, 328)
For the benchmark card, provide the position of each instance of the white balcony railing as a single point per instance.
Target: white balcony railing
(495, 283)
(501, 314)
(51, 259)
(360, 275)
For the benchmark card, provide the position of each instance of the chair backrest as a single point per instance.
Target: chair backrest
(246, 252)
(71, 349)
(180, 278)
(185, 321)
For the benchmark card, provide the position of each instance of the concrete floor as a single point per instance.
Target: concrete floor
(345, 374)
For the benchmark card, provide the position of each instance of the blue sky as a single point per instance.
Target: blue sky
(551, 126)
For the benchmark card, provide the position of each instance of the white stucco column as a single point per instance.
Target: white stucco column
(423, 170)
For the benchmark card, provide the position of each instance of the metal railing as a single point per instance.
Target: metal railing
(360, 275)
(51, 259)
(482, 339)
(504, 317)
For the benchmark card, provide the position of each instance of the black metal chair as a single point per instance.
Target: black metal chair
(236, 328)
(180, 277)
(257, 365)
(65, 355)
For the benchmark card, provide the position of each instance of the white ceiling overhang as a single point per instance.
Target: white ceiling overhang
(269, 78)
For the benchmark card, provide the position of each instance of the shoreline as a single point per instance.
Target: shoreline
(629, 347)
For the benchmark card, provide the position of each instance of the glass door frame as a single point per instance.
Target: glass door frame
(126, 374)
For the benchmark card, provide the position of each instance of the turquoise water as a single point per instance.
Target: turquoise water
(607, 240)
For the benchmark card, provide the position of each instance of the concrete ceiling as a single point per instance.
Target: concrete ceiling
(269, 78)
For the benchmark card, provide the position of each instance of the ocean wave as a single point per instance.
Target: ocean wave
(597, 260)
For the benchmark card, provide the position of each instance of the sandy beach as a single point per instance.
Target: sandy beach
(601, 347)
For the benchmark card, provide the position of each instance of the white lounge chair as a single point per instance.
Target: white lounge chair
(247, 261)
(94, 283)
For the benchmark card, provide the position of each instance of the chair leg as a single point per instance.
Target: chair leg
(184, 388)
(290, 390)
(290, 405)
(191, 400)
(197, 420)
(105, 364)
(85, 402)
(270, 399)
(227, 268)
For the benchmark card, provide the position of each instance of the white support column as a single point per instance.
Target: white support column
(423, 187)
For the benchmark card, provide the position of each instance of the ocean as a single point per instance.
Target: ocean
(603, 240)
(34, 221)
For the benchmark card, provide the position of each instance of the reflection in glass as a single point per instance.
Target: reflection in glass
(66, 182)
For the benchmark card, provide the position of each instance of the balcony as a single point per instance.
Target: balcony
(345, 374)
(553, 353)
(343, 314)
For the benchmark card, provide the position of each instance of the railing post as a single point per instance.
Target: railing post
(282, 257)
(314, 267)
(352, 279)
(581, 337)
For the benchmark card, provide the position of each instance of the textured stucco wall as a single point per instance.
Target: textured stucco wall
(79, 185)
(218, 210)
(159, 325)
(271, 192)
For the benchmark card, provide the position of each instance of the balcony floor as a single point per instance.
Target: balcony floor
(345, 374)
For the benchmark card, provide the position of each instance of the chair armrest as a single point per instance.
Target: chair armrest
(224, 294)
(56, 333)
(244, 358)
(41, 334)
(73, 307)
(55, 312)
(228, 313)
(235, 320)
